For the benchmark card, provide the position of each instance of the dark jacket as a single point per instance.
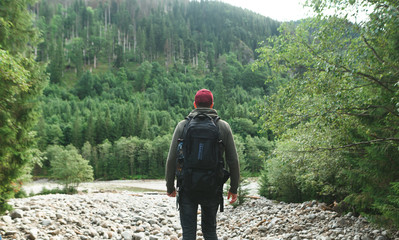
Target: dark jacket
(230, 152)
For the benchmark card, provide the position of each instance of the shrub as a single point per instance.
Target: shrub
(68, 166)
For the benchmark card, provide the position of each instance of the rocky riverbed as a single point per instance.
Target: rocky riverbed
(121, 214)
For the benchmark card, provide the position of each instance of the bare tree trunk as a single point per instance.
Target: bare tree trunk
(95, 61)
(124, 43)
(109, 14)
(105, 20)
(119, 37)
(134, 38)
(84, 56)
(76, 25)
(87, 30)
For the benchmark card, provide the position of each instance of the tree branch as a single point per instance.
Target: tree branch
(347, 70)
(386, 6)
(373, 50)
(352, 145)
(376, 54)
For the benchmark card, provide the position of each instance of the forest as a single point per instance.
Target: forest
(97, 87)
(123, 73)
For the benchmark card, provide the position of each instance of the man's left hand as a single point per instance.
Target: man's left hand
(173, 194)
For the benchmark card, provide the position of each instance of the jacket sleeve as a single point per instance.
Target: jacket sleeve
(171, 160)
(231, 157)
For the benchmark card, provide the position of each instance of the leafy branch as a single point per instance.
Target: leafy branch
(349, 145)
(347, 70)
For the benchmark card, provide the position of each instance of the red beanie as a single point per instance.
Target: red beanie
(203, 98)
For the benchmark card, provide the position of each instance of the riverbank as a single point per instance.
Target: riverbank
(145, 185)
(121, 214)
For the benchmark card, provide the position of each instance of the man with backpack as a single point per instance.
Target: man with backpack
(201, 144)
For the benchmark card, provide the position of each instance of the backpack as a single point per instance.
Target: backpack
(200, 166)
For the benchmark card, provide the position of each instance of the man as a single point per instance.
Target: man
(203, 103)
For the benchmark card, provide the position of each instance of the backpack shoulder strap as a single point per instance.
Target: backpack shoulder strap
(216, 119)
(188, 120)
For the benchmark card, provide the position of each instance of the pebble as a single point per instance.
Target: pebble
(18, 213)
(128, 216)
(7, 219)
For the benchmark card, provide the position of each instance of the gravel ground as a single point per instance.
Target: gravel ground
(116, 210)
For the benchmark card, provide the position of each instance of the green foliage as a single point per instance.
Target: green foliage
(334, 110)
(45, 191)
(389, 207)
(16, 27)
(20, 194)
(242, 192)
(130, 158)
(83, 36)
(21, 82)
(123, 75)
(68, 166)
(123, 128)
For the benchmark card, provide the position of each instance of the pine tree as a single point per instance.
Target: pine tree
(21, 82)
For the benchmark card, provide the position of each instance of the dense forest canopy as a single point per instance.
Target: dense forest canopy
(78, 33)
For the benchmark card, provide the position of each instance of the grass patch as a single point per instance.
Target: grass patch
(45, 191)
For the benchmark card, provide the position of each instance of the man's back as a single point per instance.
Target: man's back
(189, 202)
(228, 149)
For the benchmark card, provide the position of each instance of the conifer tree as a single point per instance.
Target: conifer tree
(21, 82)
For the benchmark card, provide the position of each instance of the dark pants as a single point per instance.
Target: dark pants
(188, 217)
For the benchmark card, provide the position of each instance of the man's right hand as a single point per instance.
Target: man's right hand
(233, 197)
(172, 194)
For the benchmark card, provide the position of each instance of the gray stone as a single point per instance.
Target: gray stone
(25, 221)
(380, 238)
(366, 237)
(7, 219)
(93, 232)
(46, 222)
(18, 213)
(62, 222)
(262, 229)
(127, 235)
(25, 208)
(376, 232)
(138, 236)
(312, 216)
(33, 234)
(323, 238)
(341, 223)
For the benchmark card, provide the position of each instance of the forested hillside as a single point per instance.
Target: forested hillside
(123, 73)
